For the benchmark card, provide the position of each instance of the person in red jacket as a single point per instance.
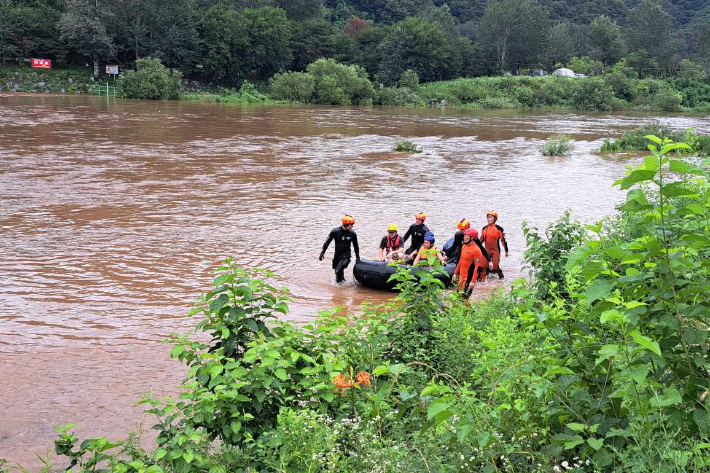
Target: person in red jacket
(492, 235)
(472, 265)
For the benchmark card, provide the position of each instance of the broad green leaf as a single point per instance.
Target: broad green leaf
(599, 289)
(673, 146)
(281, 374)
(602, 459)
(176, 351)
(610, 316)
(701, 417)
(236, 426)
(677, 189)
(646, 342)
(463, 430)
(188, 456)
(606, 352)
(436, 408)
(654, 138)
(575, 441)
(651, 162)
(558, 370)
(640, 175)
(596, 444)
(380, 370)
(685, 167)
(639, 374)
(577, 427)
(670, 397)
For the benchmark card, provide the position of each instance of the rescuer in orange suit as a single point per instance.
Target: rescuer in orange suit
(492, 235)
(472, 265)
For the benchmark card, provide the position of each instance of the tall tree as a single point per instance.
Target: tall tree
(702, 45)
(269, 50)
(650, 29)
(83, 28)
(418, 45)
(299, 10)
(172, 32)
(9, 25)
(605, 42)
(561, 43)
(513, 31)
(315, 39)
(223, 39)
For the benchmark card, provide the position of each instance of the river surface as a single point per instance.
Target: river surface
(112, 215)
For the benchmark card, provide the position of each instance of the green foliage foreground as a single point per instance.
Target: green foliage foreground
(599, 363)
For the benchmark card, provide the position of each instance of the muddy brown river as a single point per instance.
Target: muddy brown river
(112, 215)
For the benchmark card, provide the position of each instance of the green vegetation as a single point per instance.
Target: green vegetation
(73, 80)
(635, 140)
(556, 146)
(407, 146)
(223, 43)
(151, 80)
(246, 94)
(597, 363)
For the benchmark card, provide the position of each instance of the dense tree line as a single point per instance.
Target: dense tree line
(228, 41)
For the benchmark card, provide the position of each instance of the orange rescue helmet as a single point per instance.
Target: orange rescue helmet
(463, 224)
(420, 216)
(492, 212)
(472, 232)
(348, 220)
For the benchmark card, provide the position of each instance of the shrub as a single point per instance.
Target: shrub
(339, 84)
(406, 146)
(293, 87)
(668, 101)
(556, 146)
(151, 80)
(592, 94)
(409, 80)
(498, 102)
(635, 140)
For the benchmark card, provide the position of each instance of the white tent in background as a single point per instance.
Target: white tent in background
(563, 72)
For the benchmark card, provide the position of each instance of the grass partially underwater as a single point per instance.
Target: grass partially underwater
(598, 363)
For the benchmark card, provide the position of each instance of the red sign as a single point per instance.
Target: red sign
(42, 63)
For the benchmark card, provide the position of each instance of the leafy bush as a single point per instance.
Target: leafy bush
(151, 80)
(339, 84)
(498, 102)
(668, 101)
(406, 146)
(409, 80)
(592, 94)
(293, 87)
(556, 146)
(635, 140)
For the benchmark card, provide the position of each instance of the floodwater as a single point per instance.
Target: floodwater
(112, 215)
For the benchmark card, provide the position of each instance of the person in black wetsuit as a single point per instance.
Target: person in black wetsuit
(454, 252)
(417, 231)
(344, 236)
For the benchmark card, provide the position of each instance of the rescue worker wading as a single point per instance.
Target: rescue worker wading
(492, 235)
(472, 265)
(417, 231)
(454, 252)
(344, 236)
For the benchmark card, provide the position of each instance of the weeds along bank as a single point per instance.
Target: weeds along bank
(598, 364)
(328, 82)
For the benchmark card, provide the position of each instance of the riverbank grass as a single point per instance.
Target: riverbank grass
(556, 146)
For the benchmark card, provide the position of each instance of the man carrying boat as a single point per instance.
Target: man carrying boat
(344, 236)
(391, 246)
(417, 231)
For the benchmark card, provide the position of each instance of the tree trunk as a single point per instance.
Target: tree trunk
(96, 68)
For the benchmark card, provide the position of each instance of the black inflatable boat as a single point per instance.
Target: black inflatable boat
(376, 274)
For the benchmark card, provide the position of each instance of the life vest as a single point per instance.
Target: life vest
(393, 244)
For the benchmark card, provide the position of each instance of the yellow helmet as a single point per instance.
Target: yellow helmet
(392, 227)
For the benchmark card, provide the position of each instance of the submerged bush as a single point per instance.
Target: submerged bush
(406, 146)
(397, 96)
(151, 80)
(556, 146)
(340, 84)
